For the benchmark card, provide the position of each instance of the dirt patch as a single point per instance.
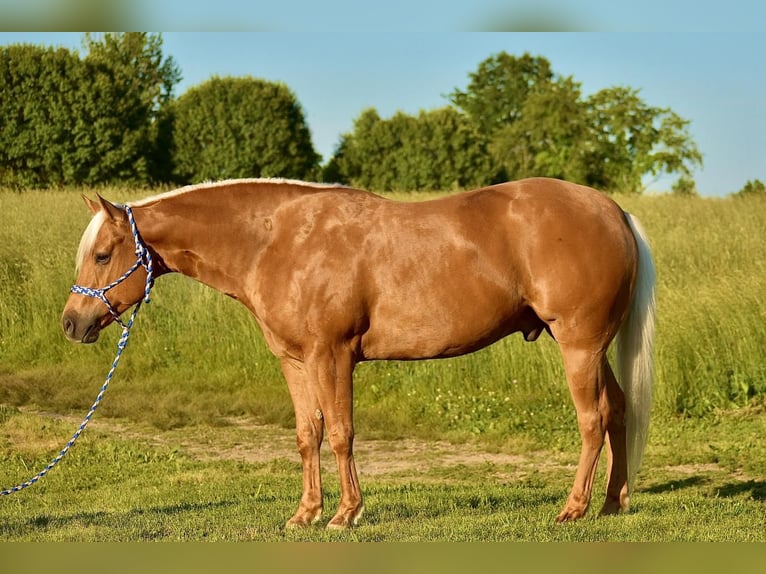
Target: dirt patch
(694, 468)
(245, 440)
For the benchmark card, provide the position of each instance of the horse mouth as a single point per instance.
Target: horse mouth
(93, 331)
(84, 331)
(91, 334)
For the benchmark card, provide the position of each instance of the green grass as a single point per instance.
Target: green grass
(196, 359)
(149, 488)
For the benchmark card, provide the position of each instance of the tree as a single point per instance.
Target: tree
(754, 188)
(98, 119)
(549, 136)
(537, 123)
(437, 149)
(684, 186)
(499, 88)
(241, 127)
(455, 155)
(38, 95)
(533, 119)
(630, 140)
(363, 157)
(122, 132)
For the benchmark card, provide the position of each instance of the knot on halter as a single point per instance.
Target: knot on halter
(143, 259)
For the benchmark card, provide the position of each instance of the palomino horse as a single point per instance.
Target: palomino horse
(335, 276)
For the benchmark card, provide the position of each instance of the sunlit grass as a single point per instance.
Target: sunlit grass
(143, 487)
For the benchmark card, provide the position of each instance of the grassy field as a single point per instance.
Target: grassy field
(196, 364)
(127, 481)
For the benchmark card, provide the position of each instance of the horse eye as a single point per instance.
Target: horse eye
(103, 258)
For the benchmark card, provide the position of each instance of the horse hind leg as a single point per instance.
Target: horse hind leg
(617, 495)
(587, 380)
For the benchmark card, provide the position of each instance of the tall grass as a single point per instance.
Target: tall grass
(711, 301)
(197, 356)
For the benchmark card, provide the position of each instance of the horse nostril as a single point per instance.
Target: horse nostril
(68, 325)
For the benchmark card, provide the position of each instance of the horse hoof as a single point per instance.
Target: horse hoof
(344, 520)
(303, 520)
(339, 525)
(610, 508)
(569, 515)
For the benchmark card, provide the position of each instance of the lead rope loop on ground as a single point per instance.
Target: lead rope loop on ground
(143, 259)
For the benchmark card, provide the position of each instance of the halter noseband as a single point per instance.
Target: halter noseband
(143, 259)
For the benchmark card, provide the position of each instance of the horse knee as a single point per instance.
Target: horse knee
(341, 437)
(308, 438)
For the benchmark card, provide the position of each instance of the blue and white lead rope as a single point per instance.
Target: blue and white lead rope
(143, 259)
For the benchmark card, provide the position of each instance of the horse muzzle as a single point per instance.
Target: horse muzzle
(79, 330)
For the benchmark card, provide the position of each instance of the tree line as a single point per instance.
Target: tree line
(109, 116)
(97, 119)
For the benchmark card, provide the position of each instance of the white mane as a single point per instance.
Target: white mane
(225, 182)
(89, 238)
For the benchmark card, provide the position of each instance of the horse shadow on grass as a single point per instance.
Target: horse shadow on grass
(113, 518)
(756, 489)
(673, 485)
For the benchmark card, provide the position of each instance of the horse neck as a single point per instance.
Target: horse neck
(213, 236)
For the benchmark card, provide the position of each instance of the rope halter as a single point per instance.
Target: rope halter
(143, 259)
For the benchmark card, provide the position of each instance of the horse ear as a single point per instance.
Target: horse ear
(111, 209)
(94, 206)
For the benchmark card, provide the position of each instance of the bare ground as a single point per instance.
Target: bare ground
(244, 439)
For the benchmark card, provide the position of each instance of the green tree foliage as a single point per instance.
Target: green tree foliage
(549, 136)
(241, 127)
(498, 90)
(38, 96)
(684, 186)
(753, 188)
(437, 149)
(124, 112)
(630, 140)
(538, 124)
(97, 119)
(109, 116)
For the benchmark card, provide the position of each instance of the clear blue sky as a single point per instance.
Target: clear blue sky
(714, 79)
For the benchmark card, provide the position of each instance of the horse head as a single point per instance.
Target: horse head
(113, 272)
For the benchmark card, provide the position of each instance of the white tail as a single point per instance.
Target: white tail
(635, 344)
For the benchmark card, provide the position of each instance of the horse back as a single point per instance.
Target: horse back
(441, 277)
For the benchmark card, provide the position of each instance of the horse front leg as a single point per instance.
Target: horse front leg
(334, 380)
(309, 432)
